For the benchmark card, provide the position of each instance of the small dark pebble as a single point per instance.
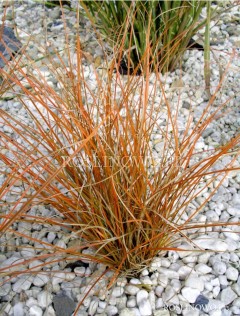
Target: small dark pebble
(194, 45)
(63, 305)
(123, 69)
(57, 23)
(201, 302)
(186, 105)
(8, 44)
(73, 265)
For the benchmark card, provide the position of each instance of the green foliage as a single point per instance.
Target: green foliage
(167, 25)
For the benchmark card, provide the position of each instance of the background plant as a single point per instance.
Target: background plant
(172, 25)
(89, 155)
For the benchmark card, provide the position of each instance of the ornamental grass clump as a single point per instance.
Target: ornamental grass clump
(172, 26)
(85, 150)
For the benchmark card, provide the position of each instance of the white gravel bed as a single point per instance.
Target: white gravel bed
(179, 283)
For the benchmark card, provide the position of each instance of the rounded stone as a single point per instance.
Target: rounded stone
(195, 283)
(232, 274)
(40, 280)
(18, 309)
(44, 299)
(203, 268)
(117, 291)
(35, 311)
(127, 312)
(131, 289)
(111, 310)
(228, 295)
(190, 294)
(22, 284)
(219, 267)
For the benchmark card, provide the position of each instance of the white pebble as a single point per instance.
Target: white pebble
(69, 276)
(215, 313)
(40, 280)
(216, 291)
(161, 312)
(207, 242)
(184, 272)
(232, 244)
(163, 280)
(170, 274)
(190, 259)
(208, 286)
(49, 311)
(144, 272)
(156, 263)
(159, 303)
(111, 310)
(80, 271)
(186, 252)
(214, 304)
(143, 303)
(237, 302)
(13, 261)
(190, 312)
(27, 252)
(93, 307)
(127, 312)
(232, 274)
(146, 280)
(58, 278)
(234, 257)
(165, 262)
(235, 310)
(142, 294)
(190, 294)
(121, 302)
(117, 291)
(215, 282)
(36, 265)
(131, 302)
(61, 244)
(7, 308)
(223, 280)
(31, 302)
(131, 289)
(136, 311)
(22, 284)
(152, 299)
(232, 235)
(203, 268)
(176, 284)
(121, 281)
(195, 283)
(159, 290)
(50, 237)
(236, 288)
(228, 295)
(35, 311)
(5, 289)
(145, 308)
(135, 281)
(44, 299)
(18, 309)
(170, 296)
(219, 267)
(233, 211)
